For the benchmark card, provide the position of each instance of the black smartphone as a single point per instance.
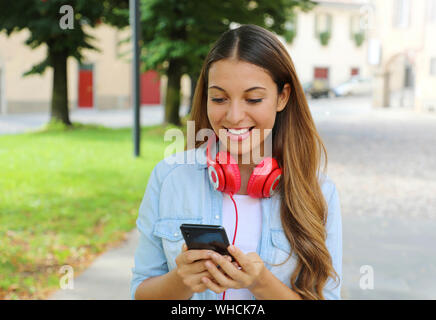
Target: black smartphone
(205, 236)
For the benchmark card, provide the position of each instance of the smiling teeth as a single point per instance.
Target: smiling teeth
(241, 131)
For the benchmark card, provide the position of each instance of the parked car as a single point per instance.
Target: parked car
(355, 86)
(317, 88)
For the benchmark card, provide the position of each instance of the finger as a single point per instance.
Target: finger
(193, 255)
(212, 286)
(198, 266)
(230, 259)
(229, 268)
(239, 256)
(199, 287)
(207, 275)
(200, 276)
(184, 247)
(219, 276)
(194, 281)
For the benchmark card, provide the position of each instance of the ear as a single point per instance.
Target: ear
(283, 97)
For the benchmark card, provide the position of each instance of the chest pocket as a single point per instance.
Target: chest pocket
(172, 239)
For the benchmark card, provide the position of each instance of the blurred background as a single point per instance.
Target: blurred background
(70, 187)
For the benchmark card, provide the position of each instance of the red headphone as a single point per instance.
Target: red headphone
(225, 177)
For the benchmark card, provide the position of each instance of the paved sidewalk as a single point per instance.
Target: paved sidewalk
(19, 123)
(108, 278)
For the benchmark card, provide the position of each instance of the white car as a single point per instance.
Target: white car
(354, 86)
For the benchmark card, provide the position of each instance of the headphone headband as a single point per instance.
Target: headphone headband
(209, 145)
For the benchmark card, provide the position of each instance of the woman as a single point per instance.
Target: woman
(287, 236)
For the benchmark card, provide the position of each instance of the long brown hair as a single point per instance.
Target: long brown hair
(297, 147)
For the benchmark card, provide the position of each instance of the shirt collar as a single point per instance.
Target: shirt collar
(200, 157)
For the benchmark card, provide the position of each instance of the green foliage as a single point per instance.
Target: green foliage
(41, 19)
(324, 37)
(291, 28)
(359, 37)
(290, 35)
(185, 30)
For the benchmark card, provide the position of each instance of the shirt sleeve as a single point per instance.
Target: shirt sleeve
(332, 289)
(149, 259)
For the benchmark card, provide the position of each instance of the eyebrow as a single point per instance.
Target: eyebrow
(250, 89)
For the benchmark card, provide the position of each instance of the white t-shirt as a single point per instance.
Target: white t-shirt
(248, 233)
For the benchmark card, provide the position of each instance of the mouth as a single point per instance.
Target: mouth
(238, 134)
(239, 130)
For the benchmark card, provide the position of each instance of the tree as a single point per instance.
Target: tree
(60, 25)
(177, 35)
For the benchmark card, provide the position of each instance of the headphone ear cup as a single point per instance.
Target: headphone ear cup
(216, 177)
(261, 173)
(272, 182)
(230, 171)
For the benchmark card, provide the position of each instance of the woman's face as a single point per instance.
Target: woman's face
(242, 96)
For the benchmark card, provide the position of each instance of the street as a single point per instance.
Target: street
(383, 163)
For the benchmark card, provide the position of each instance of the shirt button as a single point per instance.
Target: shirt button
(217, 217)
(176, 234)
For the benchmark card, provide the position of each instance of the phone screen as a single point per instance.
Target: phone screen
(210, 237)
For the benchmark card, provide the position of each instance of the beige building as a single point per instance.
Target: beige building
(341, 57)
(103, 81)
(33, 93)
(402, 53)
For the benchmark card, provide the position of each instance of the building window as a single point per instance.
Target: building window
(354, 25)
(323, 23)
(357, 34)
(321, 73)
(291, 28)
(401, 13)
(433, 66)
(323, 27)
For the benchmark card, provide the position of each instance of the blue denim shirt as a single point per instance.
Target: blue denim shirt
(179, 191)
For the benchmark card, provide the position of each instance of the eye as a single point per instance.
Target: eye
(253, 101)
(218, 100)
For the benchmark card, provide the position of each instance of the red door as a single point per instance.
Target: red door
(86, 92)
(150, 87)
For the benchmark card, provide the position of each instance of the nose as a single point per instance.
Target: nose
(235, 113)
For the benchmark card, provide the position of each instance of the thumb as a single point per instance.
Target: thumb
(184, 247)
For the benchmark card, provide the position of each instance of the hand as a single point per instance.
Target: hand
(191, 268)
(249, 275)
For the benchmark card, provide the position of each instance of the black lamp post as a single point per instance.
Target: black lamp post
(134, 25)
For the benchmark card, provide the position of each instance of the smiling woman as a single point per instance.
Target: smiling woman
(287, 235)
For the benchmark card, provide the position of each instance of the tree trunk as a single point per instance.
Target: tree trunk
(59, 98)
(172, 100)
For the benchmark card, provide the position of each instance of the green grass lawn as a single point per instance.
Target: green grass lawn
(65, 197)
